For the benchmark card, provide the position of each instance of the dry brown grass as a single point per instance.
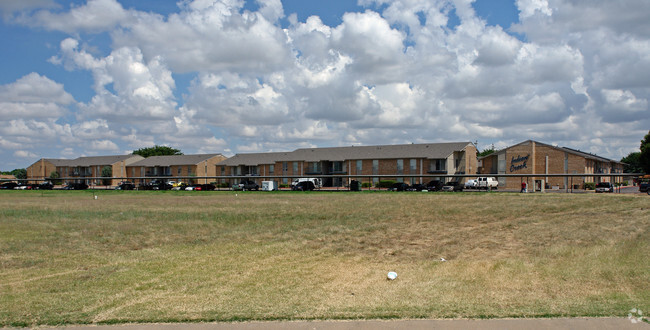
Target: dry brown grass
(67, 258)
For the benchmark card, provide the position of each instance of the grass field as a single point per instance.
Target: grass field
(67, 258)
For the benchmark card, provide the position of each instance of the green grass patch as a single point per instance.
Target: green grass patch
(67, 258)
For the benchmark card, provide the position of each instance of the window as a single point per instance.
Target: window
(375, 166)
(285, 167)
(359, 166)
(271, 169)
(314, 167)
(295, 167)
(413, 166)
(400, 167)
(437, 165)
(179, 170)
(223, 170)
(337, 167)
(189, 170)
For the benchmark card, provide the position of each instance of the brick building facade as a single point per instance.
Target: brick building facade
(400, 162)
(531, 157)
(174, 166)
(82, 169)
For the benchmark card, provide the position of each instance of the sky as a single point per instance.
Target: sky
(106, 77)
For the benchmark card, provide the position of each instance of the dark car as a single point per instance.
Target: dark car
(304, 186)
(125, 185)
(155, 185)
(45, 186)
(418, 187)
(8, 185)
(203, 187)
(435, 185)
(76, 186)
(249, 185)
(452, 186)
(604, 187)
(399, 186)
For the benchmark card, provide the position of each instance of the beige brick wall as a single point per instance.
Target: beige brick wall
(40, 170)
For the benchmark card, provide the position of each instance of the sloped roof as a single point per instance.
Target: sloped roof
(58, 162)
(426, 150)
(101, 160)
(252, 159)
(174, 160)
(565, 149)
(590, 156)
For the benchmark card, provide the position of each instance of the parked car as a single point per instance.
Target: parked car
(204, 187)
(304, 186)
(434, 185)
(417, 187)
(452, 186)
(76, 186)
(8, 185)
(318, 183)
(249, 185)
(45, 186)
(125, 185)
(23, 187)
(487, 183)
(399, 186)
(603, 187)
(155, 185)
(471, 184)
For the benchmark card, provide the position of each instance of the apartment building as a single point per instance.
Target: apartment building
(532, 157)
(388, 162)
(83, 169)
(181, 167)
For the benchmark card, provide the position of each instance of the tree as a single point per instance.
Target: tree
(632, 163)
(54, 177)
(644, 158)
(107, 172)
(157, 151)
(19, 173)
(486, 152)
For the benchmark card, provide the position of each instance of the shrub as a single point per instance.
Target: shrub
(366, 185)
(385, 184)
(590, 186)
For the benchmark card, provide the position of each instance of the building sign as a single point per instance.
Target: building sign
(519, 163)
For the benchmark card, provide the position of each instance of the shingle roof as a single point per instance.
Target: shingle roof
(427, 150)
(101, 160)
(253, 159)
(58, 162)
(566, 149)
(174, 160)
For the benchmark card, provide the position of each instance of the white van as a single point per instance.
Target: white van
(317, 182)
(487, 182)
